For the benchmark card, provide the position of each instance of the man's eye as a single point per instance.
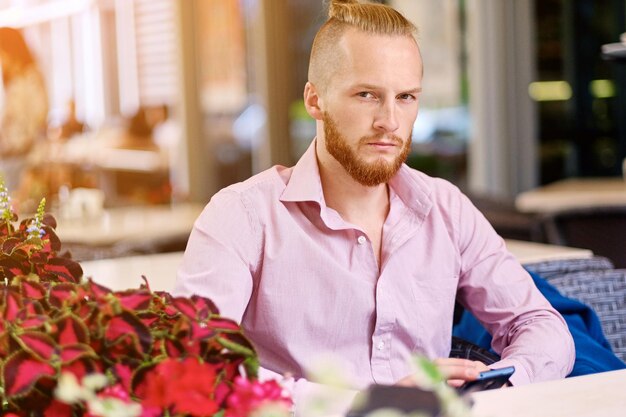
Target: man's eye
(365, 94)
(407, 97)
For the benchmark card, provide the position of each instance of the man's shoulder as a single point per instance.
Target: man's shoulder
(265, 184)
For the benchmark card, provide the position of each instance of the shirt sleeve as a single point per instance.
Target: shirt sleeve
(527, 331)
(221, 254)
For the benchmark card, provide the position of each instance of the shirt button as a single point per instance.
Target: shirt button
(381, 345)
(361, 240)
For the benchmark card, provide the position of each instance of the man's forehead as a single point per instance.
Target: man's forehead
(377, 85)
(390, 62)
(361, 48)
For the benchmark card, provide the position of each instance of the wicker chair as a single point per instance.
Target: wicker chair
(594, 282)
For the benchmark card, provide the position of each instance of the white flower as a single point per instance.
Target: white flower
(69, 391)
(95, 382)
(113, 407)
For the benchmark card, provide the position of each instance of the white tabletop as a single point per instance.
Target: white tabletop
(596, 395)
(130, 224)
(531, 252)
(573, 193)
(123, 273)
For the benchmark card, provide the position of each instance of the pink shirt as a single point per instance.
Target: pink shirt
(303, 282)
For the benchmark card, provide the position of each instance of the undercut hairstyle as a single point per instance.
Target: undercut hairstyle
(371, 18)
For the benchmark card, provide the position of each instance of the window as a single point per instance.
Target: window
(107, 59)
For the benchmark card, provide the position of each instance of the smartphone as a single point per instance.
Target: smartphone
(491, 379)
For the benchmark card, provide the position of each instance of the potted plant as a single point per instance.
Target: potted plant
(72, 347)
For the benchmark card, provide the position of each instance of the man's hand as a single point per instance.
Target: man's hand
(455, 370)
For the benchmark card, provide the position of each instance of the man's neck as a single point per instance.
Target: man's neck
(355, 202)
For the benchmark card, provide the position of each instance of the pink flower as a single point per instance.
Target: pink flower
(115, 391)
(248, 396)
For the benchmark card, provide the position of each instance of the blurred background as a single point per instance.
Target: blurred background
(110, 106)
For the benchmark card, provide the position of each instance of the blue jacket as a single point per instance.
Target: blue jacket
(593, 351)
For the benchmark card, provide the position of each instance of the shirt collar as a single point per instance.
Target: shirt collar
(305, 184)
(412, 188)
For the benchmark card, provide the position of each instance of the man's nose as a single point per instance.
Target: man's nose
(387, 118)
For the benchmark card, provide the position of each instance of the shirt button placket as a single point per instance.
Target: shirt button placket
(361, 240)
(381, 359)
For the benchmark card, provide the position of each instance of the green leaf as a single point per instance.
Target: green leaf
(429, 369)
(251, 365)
(235, 347)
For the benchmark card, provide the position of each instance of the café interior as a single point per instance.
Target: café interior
(130, 114)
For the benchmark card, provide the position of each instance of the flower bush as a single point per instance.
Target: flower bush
(151, 354)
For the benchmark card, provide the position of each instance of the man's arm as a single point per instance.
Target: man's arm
(222, 251)
(527, 332)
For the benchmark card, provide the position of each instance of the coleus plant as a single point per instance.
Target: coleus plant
(171, 355)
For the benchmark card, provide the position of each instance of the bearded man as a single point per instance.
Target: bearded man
(353, 254)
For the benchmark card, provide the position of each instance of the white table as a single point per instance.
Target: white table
(573, 193)
(531, 252)
(123, 273)
(130, 224)
(597, 395)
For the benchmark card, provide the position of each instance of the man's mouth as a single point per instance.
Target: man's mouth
(383, 144)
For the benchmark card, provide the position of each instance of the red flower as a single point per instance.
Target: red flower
(185, 387)
(57, 409)
(249, 396)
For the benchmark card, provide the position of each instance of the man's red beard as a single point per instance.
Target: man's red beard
(365, 173)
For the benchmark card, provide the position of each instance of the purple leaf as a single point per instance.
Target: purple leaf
(37, 343)
(21, 372)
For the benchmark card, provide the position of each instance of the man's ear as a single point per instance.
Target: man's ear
(312, 101)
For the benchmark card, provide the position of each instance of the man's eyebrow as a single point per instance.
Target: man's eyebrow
(366, 86)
